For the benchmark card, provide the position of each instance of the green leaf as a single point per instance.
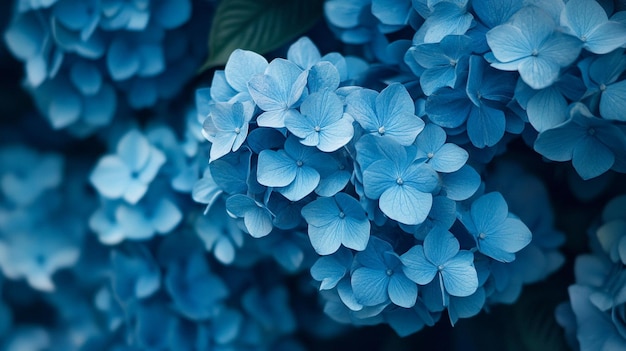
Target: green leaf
(258, 25)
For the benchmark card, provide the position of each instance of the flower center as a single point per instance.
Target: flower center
(389, 272)
(534, 52)
(440, 267)
(299, 163)
(591, 131)
(237, 130)
(317, 128)
(430, 155)
(399, 181)
(381, 130)
(453, 63)
(602, 87)
(482, 236)
(342, 215)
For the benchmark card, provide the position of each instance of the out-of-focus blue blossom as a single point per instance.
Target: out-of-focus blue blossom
(528, 43)
(587, 20)
(220, 233)
(593, 145)
(598, 298)
(334, 221)
(128, 173)
(135, 274)
(81, 56)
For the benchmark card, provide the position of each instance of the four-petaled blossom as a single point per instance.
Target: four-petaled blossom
(334, 221)
(128, 173)
(497, 233)
(441, 156)
(226, 127)
(390, 114)
(381, 277)
(587, 20)
(322, 122)
(529, 43)
(441, 257)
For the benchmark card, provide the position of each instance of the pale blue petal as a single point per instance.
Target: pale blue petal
(239, 204)
(448, 107)
(361, 105)
(323, 108)
(321, 212)
(111, 177)
(304, 53)
(402, 291)
(378, 177)
(462, 184)
(508, 43)
(65, 107)
(613, 100)
(449, 158)
(440, 246)
(437, 77)
(606, 38)
(356, 233)
(505, 239)
(592, 158)
(394, 100)
(538, 72)
(327, 239)
(276, 168)
(459, 275)
(275, 118)
(421, 177)
(86, 78)
(583, 16)
(166, 216)
(258, 222)
(430, 140)
(336, 135)
(151, 168)
(323, 75)
(134, 224)
(306, 180)
(547, 109)
(495, 12)
(135, 191)
(417, 267)
(330, 269)
(405, 204)
(370, 286)
(25, 36)
(242, 65)
(560, 48)
(121, 60)
(134, 150)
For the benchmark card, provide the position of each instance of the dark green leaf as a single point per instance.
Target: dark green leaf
(258, 25)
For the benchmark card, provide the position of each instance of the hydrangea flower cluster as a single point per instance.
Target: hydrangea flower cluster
(594, 317)
(397, 181)
(86, 60)
(391, 207)
(486, 69)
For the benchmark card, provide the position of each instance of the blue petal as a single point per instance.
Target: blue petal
(405, 204)
(134, 150)
(485, 126)
(65, 107)
(547, 109)
(508, 43)
(448, 108)
(331, 269)
(86, 78)
(171, 14)
(417, 267)
(449, 158)
(361, 105)
(538, 72)
(276, 168)
(323, 75)
(430, 140)
(606, 38)
(166, 216)
(488, 211)
(111, 177)
(440, 246)
(558, 144)
(304, 53)
(258, 222)
(505, 239)
(370, 286)
(25, 36)
(378, 177)
(402, 291)
(305, 181)
(612, 101)
(242, 65)
(583, 16)
(592, 158)
(121, 60)
(462, 184)
(459, 275)
(495, 12)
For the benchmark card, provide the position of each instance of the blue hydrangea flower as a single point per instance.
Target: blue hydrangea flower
(601, 76)
(321, 122)
(128, 173)
(587, 20)
(231, 84)
(226, 127)
(497, 233)
(278, 91)
(529, 44)
(441, 257)
(334, 221)
(443, 18)
(402, 186)
(592, 144)
(381, 278)
(135, 273)
(441, 156)
(389, 114)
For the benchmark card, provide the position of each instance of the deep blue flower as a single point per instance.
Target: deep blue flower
(381, 277)
(601, 76)
(443, 62)
(334, 221)
(441, 257)
(352, 20)
(497, 233)
(528, 43)
(591, 143)
(135, 275)
(322, 122)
